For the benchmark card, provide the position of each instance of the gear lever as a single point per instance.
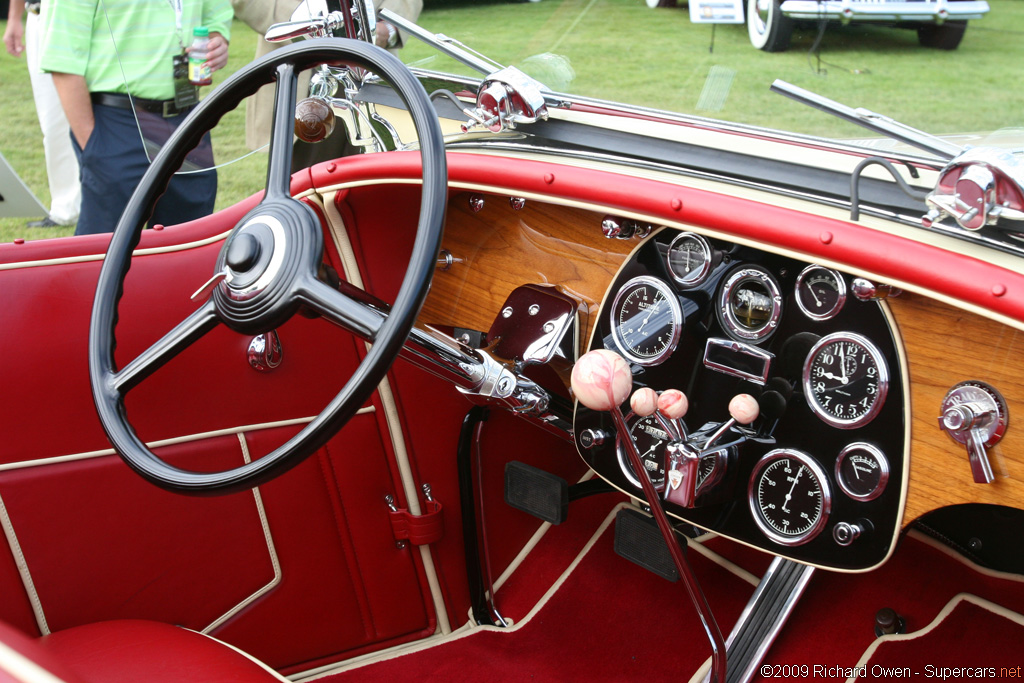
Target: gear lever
(601, 381)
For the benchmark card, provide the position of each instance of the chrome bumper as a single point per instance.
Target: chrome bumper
(899, 10)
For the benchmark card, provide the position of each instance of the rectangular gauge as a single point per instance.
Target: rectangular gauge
(738, 359)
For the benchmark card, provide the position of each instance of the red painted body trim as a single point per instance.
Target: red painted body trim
(922, 265)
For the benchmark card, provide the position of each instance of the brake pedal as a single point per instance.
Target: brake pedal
(638, 539)
(534, 491)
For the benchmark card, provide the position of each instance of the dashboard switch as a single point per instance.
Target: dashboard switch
(845, 533)
(975, 414)
(592, 437)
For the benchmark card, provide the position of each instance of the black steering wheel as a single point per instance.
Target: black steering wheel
(270, 264)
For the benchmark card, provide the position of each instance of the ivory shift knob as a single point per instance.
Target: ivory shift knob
(601, 379)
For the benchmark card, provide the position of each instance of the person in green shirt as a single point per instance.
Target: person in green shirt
(114, 68)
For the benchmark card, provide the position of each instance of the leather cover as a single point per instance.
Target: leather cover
(419, 529)
(133, 651)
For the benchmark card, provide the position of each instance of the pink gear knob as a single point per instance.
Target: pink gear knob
(644, 401)
(744, 409)
(601, 380)
(673, 404)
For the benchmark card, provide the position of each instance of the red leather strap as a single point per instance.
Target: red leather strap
(419, 529)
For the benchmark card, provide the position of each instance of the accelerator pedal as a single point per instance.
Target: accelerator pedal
(765, 614)
(536, 492)
(638, 539)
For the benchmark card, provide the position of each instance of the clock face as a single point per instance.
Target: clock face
(845, 380)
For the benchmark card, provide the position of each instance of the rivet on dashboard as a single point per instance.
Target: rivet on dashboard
(825, 237)
(506, 312)
(677, 204)
(331, 167)
(998, 290)
(549, 178)
(158, 227)
(517, 203)
(19, 240)
(476, 202)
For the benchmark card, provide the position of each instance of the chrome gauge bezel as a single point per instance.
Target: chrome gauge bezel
(883, 468)
(840, 289)
(755, 508)
(695, 277)
(727, 316)
(632, 419)
(881, 392)
(677, 320)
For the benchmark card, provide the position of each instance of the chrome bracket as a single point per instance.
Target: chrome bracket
(977, 188)
(507, 98)
(975, 415)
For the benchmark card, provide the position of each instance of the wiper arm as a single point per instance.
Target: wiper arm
(443, 43)
(872, 121)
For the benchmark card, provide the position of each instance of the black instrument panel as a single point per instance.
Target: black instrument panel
(819, 476)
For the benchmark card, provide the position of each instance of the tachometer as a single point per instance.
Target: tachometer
(789, 496)
(845, 380)
(646, 320)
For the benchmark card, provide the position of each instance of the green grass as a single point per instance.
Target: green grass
(622, 50)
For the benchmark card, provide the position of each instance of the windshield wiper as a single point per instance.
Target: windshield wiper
(874, 122)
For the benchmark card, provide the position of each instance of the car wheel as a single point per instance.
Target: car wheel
(769, 30)
(946, 36)
(660, 3)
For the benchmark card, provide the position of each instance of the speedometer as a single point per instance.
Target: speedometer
(646, 320)
(789, 496)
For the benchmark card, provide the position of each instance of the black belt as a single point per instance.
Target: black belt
(165, 108)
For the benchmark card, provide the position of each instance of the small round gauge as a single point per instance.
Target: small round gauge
(862, 471)
(750, 304)
(789, 496)
(820, 292)
(651, 438)
(646, 320)
(845, 380)
(689, 259)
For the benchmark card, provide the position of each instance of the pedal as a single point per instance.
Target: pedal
(638, 539)
(536, 492)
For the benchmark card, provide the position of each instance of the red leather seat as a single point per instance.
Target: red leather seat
(128, 650)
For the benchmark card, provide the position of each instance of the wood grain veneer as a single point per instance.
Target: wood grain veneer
(944, 346)
(498, 249)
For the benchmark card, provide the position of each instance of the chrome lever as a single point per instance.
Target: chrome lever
(602, 380)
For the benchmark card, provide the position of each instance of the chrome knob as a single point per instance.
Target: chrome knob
(975, 414)
(845, 533)
(589, 438)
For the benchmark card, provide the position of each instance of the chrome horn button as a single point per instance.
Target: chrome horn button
(253, 256)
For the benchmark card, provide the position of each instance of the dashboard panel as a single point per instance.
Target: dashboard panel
(820, 475)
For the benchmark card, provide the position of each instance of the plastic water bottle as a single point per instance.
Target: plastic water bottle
(198, 68)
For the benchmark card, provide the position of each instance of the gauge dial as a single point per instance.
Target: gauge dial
(651, 438)
(646, 320)
(845, 380)
(820, 292)
(862, 471)
(750, 305)
(789, 496)
(689, 259)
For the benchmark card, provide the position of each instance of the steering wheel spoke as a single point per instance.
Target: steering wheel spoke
(184, 334)
(350, 308)
(279, 165)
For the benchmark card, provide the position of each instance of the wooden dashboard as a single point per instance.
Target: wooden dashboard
(499, 248)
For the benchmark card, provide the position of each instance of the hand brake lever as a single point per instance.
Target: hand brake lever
(601, 381)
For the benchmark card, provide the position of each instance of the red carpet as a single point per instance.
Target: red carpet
(609, 621)
(975, 640)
